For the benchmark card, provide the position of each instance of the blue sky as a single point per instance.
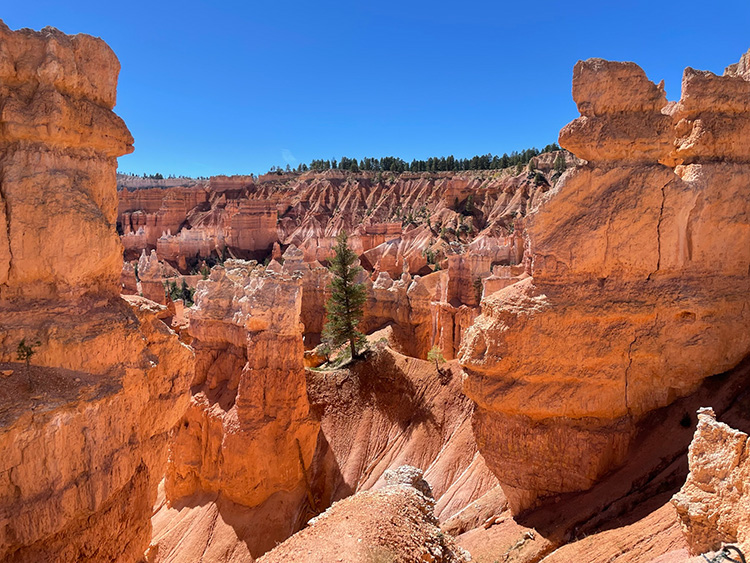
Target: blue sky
(237, 87)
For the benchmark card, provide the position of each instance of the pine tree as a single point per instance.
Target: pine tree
(559, 165)
(345, 307)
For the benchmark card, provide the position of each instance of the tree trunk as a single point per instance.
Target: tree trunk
(354, 350)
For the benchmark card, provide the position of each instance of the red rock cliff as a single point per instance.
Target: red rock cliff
(83, 430)
(640, 263)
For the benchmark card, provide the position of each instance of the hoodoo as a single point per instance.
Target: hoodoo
(639, 261)
(713, 505)
(83, 430)
(247, 439)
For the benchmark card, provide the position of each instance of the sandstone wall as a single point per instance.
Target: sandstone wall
(639, 287)
(247, 433)
(420, 310)
(59, 142)
(83, 434)
(146, 214)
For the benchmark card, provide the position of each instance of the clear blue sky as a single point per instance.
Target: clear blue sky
(236, 87)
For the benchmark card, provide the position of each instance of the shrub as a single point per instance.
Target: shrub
(436, 355)
(24, 353)
(478, 289)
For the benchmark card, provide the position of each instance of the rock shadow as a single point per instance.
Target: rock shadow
(656, 467)
(385, 384)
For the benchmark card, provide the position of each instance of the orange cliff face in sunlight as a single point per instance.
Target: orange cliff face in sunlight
(604, 296)
(457, 231)
(639, 286)
(246, 442)
(248, 342)
(265, 445)
(60, 143)
(83, 431)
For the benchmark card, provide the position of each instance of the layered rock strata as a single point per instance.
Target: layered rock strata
(639, 287)
(466, 226)
(396, 222)
(247, 435)
(83, 431)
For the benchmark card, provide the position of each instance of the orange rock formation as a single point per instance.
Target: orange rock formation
(392, 219)
(248, 344)
(640, 263)
(83, 434)
(253, 460)
(620, 293)
(247, 436)
(714, 504)
(468, 225)
(394, 524)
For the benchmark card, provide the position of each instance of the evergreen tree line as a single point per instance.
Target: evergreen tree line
(434, 164)
(160, 176)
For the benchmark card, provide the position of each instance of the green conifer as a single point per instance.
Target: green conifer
(346, 305)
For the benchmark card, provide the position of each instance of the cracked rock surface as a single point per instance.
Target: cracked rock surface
(639, 281)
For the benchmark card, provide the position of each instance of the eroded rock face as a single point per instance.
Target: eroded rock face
(387, 411)
(83, 438)
(621, 118)
(247, 433)
(395, 523)
(393, 220)
(714, 503)
(403, 226)
(390, 411)
(59, 140)
(639, 282)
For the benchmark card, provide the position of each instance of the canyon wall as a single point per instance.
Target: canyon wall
(83, 430)
(392, 219)
(466, 226)
(639, 287)
(248, 345)
(265, 446)
(422, 311)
